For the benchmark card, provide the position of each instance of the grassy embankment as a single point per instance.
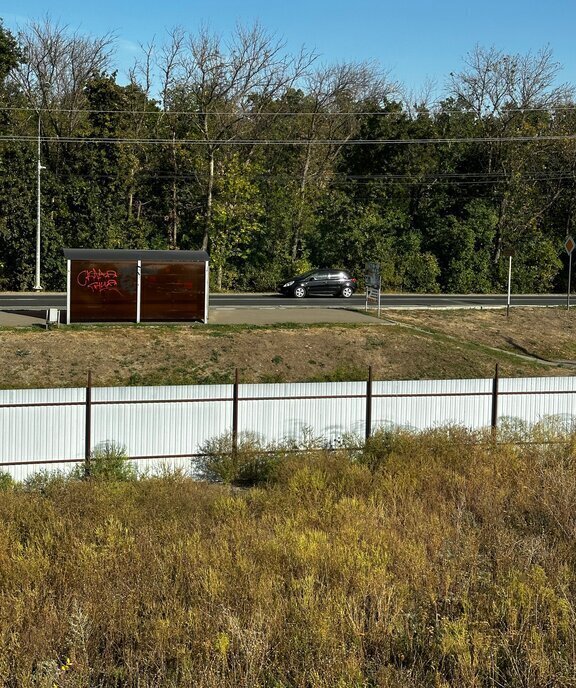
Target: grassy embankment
(432, 560)
(407, 345)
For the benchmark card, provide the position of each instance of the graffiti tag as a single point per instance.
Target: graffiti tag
(97, 280)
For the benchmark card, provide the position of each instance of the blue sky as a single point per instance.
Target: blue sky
(416, 41)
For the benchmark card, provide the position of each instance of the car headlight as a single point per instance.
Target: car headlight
(289, 284)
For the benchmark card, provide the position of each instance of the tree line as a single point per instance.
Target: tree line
(273, 162)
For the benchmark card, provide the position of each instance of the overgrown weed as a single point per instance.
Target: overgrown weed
(443, 558)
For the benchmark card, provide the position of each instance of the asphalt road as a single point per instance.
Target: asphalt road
(40, 301)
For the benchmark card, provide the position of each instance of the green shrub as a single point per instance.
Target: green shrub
(6, 481)
(108, 461)
(43, 480)
(252, 463)
(378, 447)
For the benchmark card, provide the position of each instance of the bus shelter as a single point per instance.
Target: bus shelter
(126, 285)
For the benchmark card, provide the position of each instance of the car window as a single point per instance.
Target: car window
(306, 274)
(336, 276)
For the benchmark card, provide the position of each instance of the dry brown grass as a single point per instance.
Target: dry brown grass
(447, 561)
(186, 355)
(547, 333)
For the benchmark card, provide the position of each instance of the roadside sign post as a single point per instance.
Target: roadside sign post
(509, 253)
(569, 245)
(509, 285)
(373, 284)
(373, 295)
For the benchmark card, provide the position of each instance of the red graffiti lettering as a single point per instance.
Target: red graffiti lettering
(97, 280)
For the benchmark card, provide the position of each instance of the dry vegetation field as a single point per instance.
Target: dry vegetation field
(442, 559)
(403, 345)
(434, 560)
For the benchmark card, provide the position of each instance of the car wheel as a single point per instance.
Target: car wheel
(299, 292)
(347, 292)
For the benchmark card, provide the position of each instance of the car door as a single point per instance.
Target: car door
(335, 282)
(316, 283)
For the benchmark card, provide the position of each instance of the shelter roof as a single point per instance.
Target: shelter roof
(122, 254)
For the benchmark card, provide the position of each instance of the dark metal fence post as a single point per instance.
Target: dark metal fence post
(494, 421)
(88, 427)
(369, 403)
(235, 415)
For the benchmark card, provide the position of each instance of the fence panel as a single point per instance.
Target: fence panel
(171, 423)
(531, 399)
(291, 411)
(168, 425)
(41, 425)
(421, 404)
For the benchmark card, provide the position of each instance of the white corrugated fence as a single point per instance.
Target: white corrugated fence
(158, 426)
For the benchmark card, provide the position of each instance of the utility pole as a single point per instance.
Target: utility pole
(569, 245)
(37, 285)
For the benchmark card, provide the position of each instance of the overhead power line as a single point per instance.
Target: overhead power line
(286, 142)
(452, 178)
(551, 109)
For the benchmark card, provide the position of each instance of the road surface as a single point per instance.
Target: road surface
(41, 301)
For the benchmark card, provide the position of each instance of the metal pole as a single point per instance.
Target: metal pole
(235, 415)
(569, 280)
(88, 427)
(509, 285)
(369, 403)
(494, 420)
(37, 285)
(138, 290)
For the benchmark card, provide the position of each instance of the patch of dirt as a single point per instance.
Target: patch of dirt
(141, 355)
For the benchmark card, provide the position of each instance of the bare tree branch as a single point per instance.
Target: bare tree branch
(59, 63)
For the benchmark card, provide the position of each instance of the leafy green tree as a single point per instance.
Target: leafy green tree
(436, 194)
(227, 87)
(16, 174)
(463, 248)
(510, 95)
(10, 53)
(17, 217)
(236, 219)
(328, 114)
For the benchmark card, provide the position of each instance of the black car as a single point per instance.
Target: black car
(322, 282)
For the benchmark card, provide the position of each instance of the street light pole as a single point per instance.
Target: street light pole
(40, 167)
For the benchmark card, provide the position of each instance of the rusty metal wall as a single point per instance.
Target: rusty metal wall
(174, 423)
(102, 291)
(172, 291)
